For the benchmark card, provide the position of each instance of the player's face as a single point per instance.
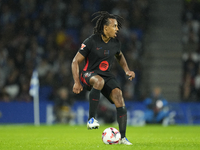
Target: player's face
(112, 29)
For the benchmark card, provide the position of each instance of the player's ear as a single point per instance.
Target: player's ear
(105, 27)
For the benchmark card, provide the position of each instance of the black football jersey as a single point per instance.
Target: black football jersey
(99, 55)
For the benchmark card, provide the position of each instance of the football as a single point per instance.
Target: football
(111, 136)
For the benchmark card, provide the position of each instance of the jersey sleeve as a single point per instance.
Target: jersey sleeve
(86, 47)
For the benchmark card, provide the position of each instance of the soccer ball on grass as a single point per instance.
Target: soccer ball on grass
(111, 136)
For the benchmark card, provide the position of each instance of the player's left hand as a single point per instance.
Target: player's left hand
(131, 75)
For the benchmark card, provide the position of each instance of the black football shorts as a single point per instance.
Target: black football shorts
(110, 83)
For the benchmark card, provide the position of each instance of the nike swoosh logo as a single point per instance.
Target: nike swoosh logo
(98, 48)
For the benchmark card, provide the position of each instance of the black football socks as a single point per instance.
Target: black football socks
(122, 120)
(94, 97)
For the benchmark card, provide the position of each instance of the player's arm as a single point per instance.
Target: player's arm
(77, 88)
(122, 61)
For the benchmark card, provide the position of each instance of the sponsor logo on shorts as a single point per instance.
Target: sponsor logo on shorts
(88, 74)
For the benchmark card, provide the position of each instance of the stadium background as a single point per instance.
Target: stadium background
(159, 39)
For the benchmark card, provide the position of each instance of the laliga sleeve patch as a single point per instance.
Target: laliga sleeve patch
(103, 65)
(82, 46)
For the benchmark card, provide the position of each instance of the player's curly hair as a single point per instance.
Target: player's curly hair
(102, 19)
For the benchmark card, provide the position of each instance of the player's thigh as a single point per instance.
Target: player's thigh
(91, 79)
(85, 79)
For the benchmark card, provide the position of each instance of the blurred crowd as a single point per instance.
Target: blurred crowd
(190, 88)
(46, 34)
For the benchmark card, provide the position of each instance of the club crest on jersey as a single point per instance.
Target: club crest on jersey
(106, 52)
(82, 46)
(103, 66)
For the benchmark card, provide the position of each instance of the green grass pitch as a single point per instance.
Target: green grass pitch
(65, 137)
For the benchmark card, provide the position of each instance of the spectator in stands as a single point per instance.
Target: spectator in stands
(12, 84)
(24, 92)
(188, 88)
(191, 46)
(157, 110)
(197, 85)
(62, 107)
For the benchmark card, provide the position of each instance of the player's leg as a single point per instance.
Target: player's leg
(112, 92)
(94, 83)
(97, 84)
(116, 97)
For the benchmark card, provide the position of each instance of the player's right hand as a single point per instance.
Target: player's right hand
(77, 88)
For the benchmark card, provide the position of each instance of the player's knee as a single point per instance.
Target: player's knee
(117, 92)
(99, 83)
(117, 98)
